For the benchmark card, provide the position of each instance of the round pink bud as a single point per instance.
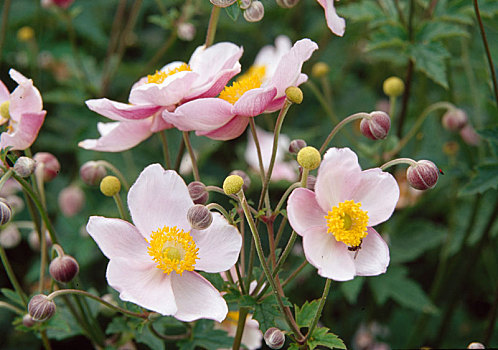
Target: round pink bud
(454, 119)
(47, 165)
(71, 200)
(64, 268)
(244, 176)
(24, 166)
(296, 145)
(469, 135)
(199, 217)
(255, 12)
(274, 338)
(5, 211)
(92, 173)
(28, 321)
(377, 126)
(41, 308)
(198, 192)
(186, 31)
(422, 175)
(10, 237)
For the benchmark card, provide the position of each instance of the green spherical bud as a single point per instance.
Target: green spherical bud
(233, 184)
(309, 158)
(110, 186)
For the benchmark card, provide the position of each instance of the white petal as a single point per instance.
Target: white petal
(373, 257)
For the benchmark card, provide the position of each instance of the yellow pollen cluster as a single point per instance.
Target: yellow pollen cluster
(348, 223)
(172, 250)
(4, 111)
(160, 76)
(251, 79)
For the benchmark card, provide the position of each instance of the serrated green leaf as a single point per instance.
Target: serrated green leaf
(62, 325)
(117, 325)
(233, 11)
(145, 336)
(351, 289)
(364, 11)
(390, 36)
(266, 311)
(206, 337)
(322, 336)
(429, 59)
(437, 30)
(12, 296)
(485, 178)
(305, 314)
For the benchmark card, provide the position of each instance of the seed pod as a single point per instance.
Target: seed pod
(393, 86)
(255, 12)
(199, 217)
(233, 184)
(309, 158)
(41, 308)
(198, 192)
(64, 268)
(24, 166)
(92, 173)
(274, 338)
(320, 69)
(244, 176)
(423, 175)
(294, 94)
(377, 126)
(110, 186)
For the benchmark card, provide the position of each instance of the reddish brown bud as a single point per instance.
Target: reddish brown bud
(296, 145)
(47, 165)
(198, 192)
(255, 12)
(28, 321)
(199, 217)
(41, 308)
(274, 338)
(422, 175)
(24, 166)
(92, 173)
(71, 200)
(64, 268)
(454, 119)
(377, 126)
(5, 211)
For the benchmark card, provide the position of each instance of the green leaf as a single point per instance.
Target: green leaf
(322, 336)
(266, 312)
(204, 336)
(145, 336)
(485, 178)
(12, 296)
(364, 11)
(429, 59)
(490, 134)
(390, 36)
(62, 325)
(215, 279)
(437, 30)
(117, 325)
(233, 11)
(352, 288)
(305, 314)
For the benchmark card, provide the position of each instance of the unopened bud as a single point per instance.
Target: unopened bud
(24, 166)
(5, 211)
(92, 173)
(10, 237)
(244, 4)
(287, 4)
(476, 345)
(233, 184)
(255, 12)
(222, 3)
(377, 126)
(186, 31)
(28, 321)
(46, 165)
(320, 69)
(294, 94)
(41, 308)
(199, 217)
(245, 178)
(71, 200)
(64, 268)
(470, 136)
(422, 175)
(393, 86)
(454, 119)
(310, 183)
(309, 158)
(274, 338)
(110, 186)
(198, 192)
(296, 145)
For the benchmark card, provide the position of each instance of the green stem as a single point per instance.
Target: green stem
(285, 195)
(164, 141)
(392, 106)
(398, 161)
(45, 340)
(213, 23)
(12, 276)
(5, 177)
(240, 328)
(219, 208)
(191, 153)
(93, 335)
(179, 156)
(3, 29)
(492, 319)
(13, 308)
(320, 308)
(243, 288)
(260, 156)
(340, 126)
(295, 273)
(280, 230)
(322, 101)
(119, 205)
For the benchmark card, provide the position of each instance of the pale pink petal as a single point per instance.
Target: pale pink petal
(4, 92)
(117, 238)
(330, 257)
(252, 336)
(142, 284)
(119, 136)
(338, 175)
(17, 77)
(284, 171)
(304, 212)
(335, 23)
(121, 111)
(26, 131)
(203, 115)
(219, 245)
(269, 56)
(275, 105)
(215, 85)
(373, 257)
(254, 102)
(25, 99)
(197, 298)
(234, 128)
(159, 198)
(378, 193)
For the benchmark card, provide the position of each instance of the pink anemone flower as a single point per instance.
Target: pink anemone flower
(152, 261)
(336, 219)
(260, 89)
(335, 23)
(205, 75)
(22, 111)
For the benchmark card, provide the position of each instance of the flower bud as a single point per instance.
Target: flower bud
(34, 240)
(222, 3)
(198, 192)
(64, 268)
(233, 184)
(309, 158)
(5, 211)
(255, 12)
(310, 183)
(28, 321)
(287, 4)
(422, 175)
(46, 165)
(24, 166)
(470, 136)
(71, 200)
(454, 119)
(186, 31)
(244, 4)
(377, 126)
(393, 86)
(25, 33)
(10, 237)
(59, 3)
(110, 186)
(199, 217)
(296, 145)
(320, 69)
(476, 345)
(244, 176)
(92, 173)
(41, 308)
(294, 94)
(274, 338)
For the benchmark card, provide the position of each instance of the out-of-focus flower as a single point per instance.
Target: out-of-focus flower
(59, 3)
(10, 237)
(335, 23)
(470, 136)
(186, 163)
(47, 166)
(71, 200)
(336, 219)
(251, 337)
(22, 111)
(260, 89)
(454, 119)
(34, 240)
(281, 170)
(92, 173)
(205, 75)
(186, 31)
(152, 261)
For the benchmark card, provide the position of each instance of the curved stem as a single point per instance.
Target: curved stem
(167, 337)
(320, 308)
(164, 141)
(5, 177)
(219, 208)
(195, 170)
(285, 195)
(260, 156)
(13, 308)
(119, 205)
(340, 126)
(213, 23)
(12, 276)
(398, 161)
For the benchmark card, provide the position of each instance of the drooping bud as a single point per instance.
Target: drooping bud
(198, 192)
(287, 4)
(41, 308)
(255, 12)
(422, 175)
(274, 338)
(10, 237)
(71, 200)
(476, 345)
(199, 217)
(110, 186)
(46, 165)
(186, 31)
(454, 119)
(5, 211)
(320, 69)
(24, 166)
(245, 178)
(222, 3)
(393, 86)
(244, 4)
(310, 183)
(296, 145)
(233, 184)
(64, 268)
(470, 136)
(92, 173)
(294, 94)
(377, 126)
(27, 321)
(309, 158)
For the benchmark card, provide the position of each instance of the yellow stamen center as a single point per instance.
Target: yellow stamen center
(348, 223)
(4, 110)
(172, 250)
(251, 79)
(160, 76)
